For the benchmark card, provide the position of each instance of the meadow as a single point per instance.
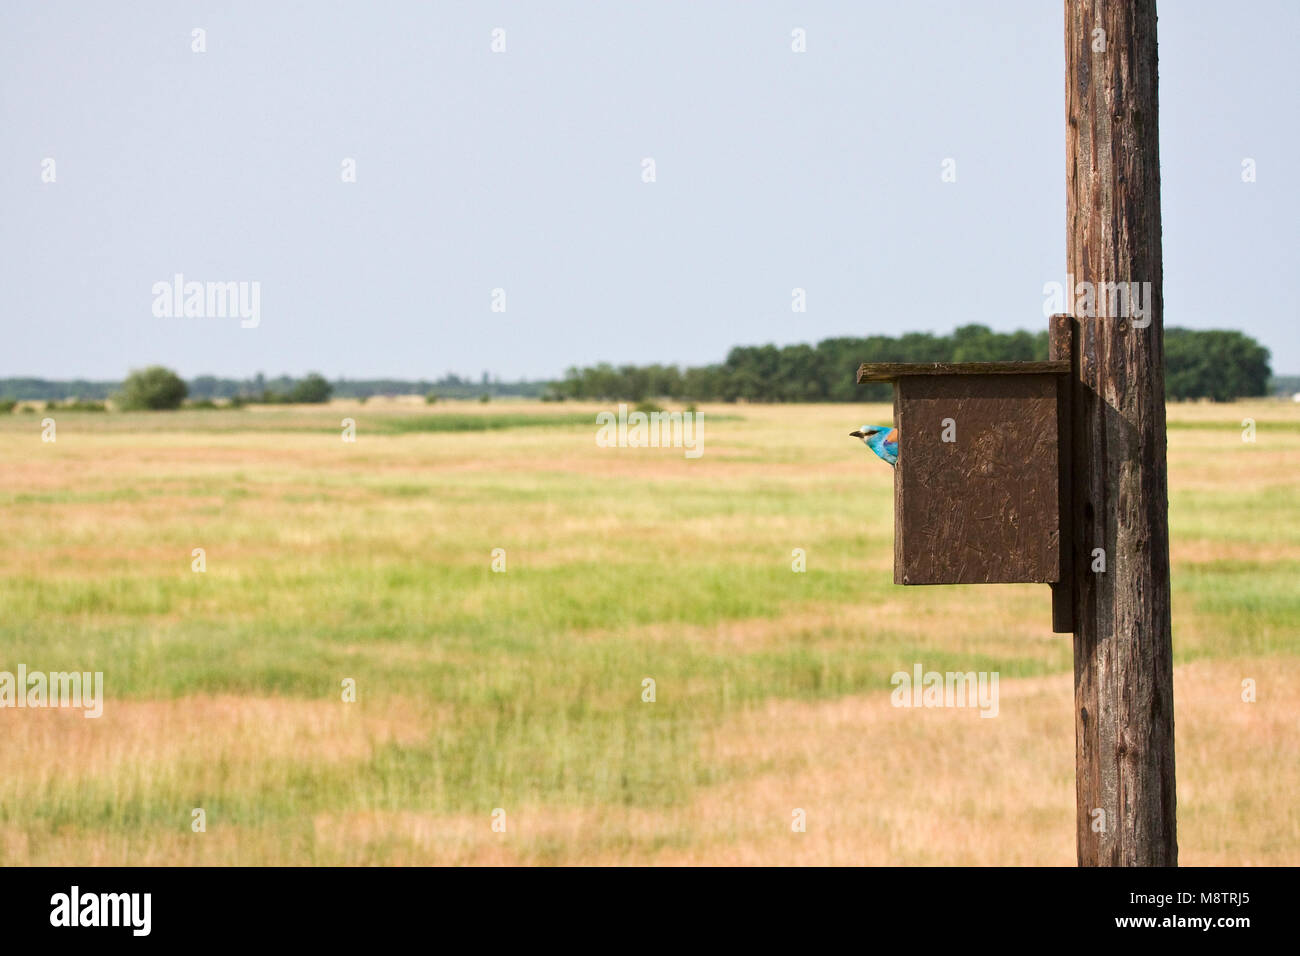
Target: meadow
(522, 690)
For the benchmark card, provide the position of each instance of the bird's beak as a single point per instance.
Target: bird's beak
(857, 434)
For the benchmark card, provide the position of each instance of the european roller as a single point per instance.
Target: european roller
(882, 439)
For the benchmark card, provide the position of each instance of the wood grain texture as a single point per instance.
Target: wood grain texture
(1061, 348)
(889, 371)
(1124, 711)
(983, 508)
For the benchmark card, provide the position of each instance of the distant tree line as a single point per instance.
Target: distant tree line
(49, 390)
(1199, 364)
(1215, 364)
(824, 372)
(449, 386)
(282, 388)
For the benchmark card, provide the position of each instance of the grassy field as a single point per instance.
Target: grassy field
(478, 690)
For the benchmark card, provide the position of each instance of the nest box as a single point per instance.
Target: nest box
(980, 484)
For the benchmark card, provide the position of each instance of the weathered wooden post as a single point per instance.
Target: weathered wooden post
(1054, 471)
(1123, 669)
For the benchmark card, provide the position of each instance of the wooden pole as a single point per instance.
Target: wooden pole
(1123, 669)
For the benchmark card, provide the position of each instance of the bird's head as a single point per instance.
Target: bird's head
(867, 431)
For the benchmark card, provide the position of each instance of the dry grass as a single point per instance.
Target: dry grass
(879, 785)
(522, 691)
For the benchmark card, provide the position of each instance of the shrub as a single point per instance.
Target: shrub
(312, 390)
(431, 398)
(7, 405)
(155, 388)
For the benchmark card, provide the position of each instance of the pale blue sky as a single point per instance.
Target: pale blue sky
(522, 170)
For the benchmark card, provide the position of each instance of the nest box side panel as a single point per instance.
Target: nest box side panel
(983, 507)
(898, 498)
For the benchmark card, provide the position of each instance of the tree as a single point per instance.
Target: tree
(154, 388)
(1214, 363)
(312, 390)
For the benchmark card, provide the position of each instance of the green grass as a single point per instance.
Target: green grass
(372, 562)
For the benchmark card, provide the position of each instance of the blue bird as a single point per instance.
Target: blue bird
(881, 439)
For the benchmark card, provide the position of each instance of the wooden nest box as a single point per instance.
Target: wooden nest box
(982, 477)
